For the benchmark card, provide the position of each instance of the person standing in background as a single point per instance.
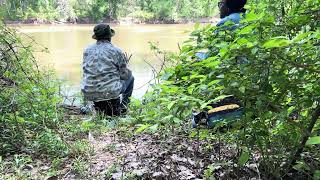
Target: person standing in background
(230, 11)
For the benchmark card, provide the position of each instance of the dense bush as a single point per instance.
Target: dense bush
(270, 63)
(28, 97)
(142, 15)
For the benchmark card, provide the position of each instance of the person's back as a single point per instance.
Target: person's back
(101, 78)
(105, 73)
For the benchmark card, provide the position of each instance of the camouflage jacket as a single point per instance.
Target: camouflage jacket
(104, 66)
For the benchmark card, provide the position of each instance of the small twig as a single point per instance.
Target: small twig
(198, 141)
(179, 47)
(154, 73)
(128, 57)
(18, 60)
(219, 147)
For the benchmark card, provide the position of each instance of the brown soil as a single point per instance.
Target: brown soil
(152, 157)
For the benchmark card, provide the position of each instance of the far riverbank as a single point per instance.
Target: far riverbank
(126, 20)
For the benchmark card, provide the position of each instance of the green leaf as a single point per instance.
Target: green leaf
(170, 105)
(313, 140)
(213, 58)
(317, 35)
(213, 82)
(301, 166)
(21, 120)
(154, 128)
(290, 109)
(213, 64)
(247, 29)
(273, 43)
(203, 134)
(301, 36)
(242, 41)
(316, 175)
(244, 157)
(254, 17)
(176, 120)
(196, 76)
(191, 88)
(223, 51)
(142, 128)
(220, 98)
(197, 26)
(242, 89)
(168, 117)
(204, 105)
(193, 134)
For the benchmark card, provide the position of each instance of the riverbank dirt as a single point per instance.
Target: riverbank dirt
(115, 155)
(152, 157)
(122, 153)
(145, 156)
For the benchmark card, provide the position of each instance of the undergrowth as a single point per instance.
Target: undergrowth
(270, 62)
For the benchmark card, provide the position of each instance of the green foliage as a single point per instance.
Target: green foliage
(209, 173)
(243, 159)
(142, 15)
(317, 175)
(314, 140)
(81, 148)
(110, 148)
(196, 8)
(28, 100)
(270, 62)
(50, 143)
(100, 10)
(80, 167)
(95, 9)
(109, 172)
(19, 165)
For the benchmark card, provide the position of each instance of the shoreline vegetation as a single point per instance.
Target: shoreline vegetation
(127, 20)
(108, 11)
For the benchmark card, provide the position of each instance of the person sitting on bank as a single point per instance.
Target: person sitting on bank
(105, 74)
(230, 11)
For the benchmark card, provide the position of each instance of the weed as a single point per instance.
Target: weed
(81, 148)
(110, 148)
(50, 143)
(80, 167)
(57, 163)
(109, 172)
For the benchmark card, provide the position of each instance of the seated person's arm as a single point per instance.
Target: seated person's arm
(125, 73)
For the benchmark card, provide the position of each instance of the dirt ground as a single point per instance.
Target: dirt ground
(152, 157)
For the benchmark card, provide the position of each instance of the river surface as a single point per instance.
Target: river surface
(67, 42)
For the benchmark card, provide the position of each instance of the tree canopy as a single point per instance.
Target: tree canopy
(97, 10)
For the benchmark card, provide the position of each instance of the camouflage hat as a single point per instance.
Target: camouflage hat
(102, 31)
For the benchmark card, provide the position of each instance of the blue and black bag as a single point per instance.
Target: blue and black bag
(227, 110)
